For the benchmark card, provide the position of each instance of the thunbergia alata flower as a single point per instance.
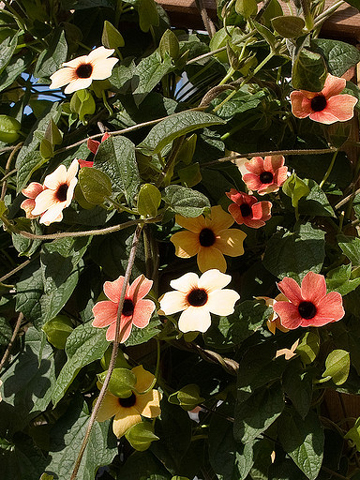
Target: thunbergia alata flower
(210, 238)
(248, 210)
(327, 106)
(128, 411)
(57, 194)
(197, 297)
(80, 72)
(265, 175)
(31, 192)
(308, 305)
(136, 310)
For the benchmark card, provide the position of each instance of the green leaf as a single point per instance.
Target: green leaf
(337, 366)
(29, 159)
(149, 200)
(246, 8)
(66, 438)
(51, 58)
(148, 73)
(84, 345)
(9, 128)
(309, 347)
(309, 71)
(297, 384)
(52, 137)
(14, 68)
(288, 26)
(169, 45)
(116, 158)
(29, 380)
(354, 434)
(7, 48)
(350, 246)
(185, 201)
(190, 175)
(121, 383)
(267, 35)
(294, 254)
(95, 185)
(258, 412)
(141, 436)
(176, 126)
(5, 331)
(295, 188)
(57, 330)
(111, 37)
(148, 14)
(241, 102)
(82, 103)
(339, 279)
(340, 56)
(143, 335)
(316, 202)
(303, 441)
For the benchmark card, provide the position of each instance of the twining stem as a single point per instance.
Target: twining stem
(329, 170)
(114, 352)
(7, 169)
(102, 231)
(15, 270)
(324, 15)
(12, 340)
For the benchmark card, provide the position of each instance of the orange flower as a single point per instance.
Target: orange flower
(80, 72)
(135, 310)
(266, 175)
(128, 411)
(58, 191)
(308, 305)
(273, 322)
(327, 106)
(248, 210)
(209, 238)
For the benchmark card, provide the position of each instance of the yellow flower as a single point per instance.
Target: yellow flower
(128, 411)
(210, 238)
(273, 322)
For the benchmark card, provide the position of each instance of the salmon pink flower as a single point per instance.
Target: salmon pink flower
(248, 210)
(308, 305)
(209, 238)
(197, 297)
(31, 192)
(57, 194)
(135, 310)
(128, 411)
(266, 175)
(327, 106)
(80, 72)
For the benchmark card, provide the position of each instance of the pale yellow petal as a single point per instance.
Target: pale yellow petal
(61, 77)
(103, 68)
(222, 302)
(211, 258)
(173, 302)
(143, 378)
(231, 242)
(219, 220)
(99, 54)
(53, 214)
(148, 405)
(185, 283)
(194, 319)
(108, 408)
(186, 244)
(78, 84)
(192, 224)
(125, 419)
(56, 178)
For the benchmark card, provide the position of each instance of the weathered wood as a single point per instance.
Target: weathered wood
(344, 23)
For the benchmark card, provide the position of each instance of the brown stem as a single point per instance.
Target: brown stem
(12, 340)
(7, 169)
(114, 352)
(19, 267)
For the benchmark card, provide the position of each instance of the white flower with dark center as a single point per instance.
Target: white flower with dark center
(197, 297)
(80, 72)
(57, 194)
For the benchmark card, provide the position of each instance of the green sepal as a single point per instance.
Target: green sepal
(122, 382)
(57, 330)
(187, 397)
(149, 199)
(141, 435)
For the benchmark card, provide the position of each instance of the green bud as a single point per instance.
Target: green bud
(57, 331)
(9, 128)
(121, 383)
(187, 397)
(295, 188)
(169, 45)
(149, 199)
(141, 435)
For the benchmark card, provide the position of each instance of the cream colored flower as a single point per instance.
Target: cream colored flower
(57, 194)
(80, 72)
(197, 297)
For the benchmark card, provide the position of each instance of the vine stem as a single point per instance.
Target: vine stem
(12, 340)
(85, 233)
(114, 352)
(7, 169)
(329, 170)
(19, 267)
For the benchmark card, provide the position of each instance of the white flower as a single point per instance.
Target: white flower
(197, 298)
(57, 195)
(80, 72)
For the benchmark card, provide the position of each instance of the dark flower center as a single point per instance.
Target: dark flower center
(245, 210)
(197, 297)
(61, 192)
(307, 310)
(266, 177)
(84, 70)
(128, 307)
(318, 103)
(206, 237)
(128, 402)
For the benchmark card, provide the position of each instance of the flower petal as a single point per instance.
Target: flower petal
(313, 288)
(273, 163)
(329, 310)
(194, 319)
(231, 242)
(28, 206)
(108, 407)
(214, 280)
(99, 53)
(235, 212)
(142, 313)
(173, 302)
(186, 244)
(211, 258)
(144, 379)
(140, 287)
(289, 315)
(102, 69)
(78, 84)
(221, 302)
(325, 117)
(124, 419)
(194, 225)
(252, 181)
(56, 178)
(53, 214)
(148, 404)
(219, 220)
(185, 283)
(105, 313)
(342, 107)
(32, 190)
(261, 211)
(255, 166)
(291, 290)
(333, 86)
(300, 104)
(62, 77)
(113, 289)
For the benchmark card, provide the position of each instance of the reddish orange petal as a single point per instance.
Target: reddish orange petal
(261, 211)
(313, 288)
(105, 313)
(235, 211)
(140, 287)
(291, 290)
(271, 164)
(113, 289)
(333, 86)
(252, 181)
(142, 313)
(329, 310)
(255, 166)
(342, 107)
(300, 104)
(289, 315)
